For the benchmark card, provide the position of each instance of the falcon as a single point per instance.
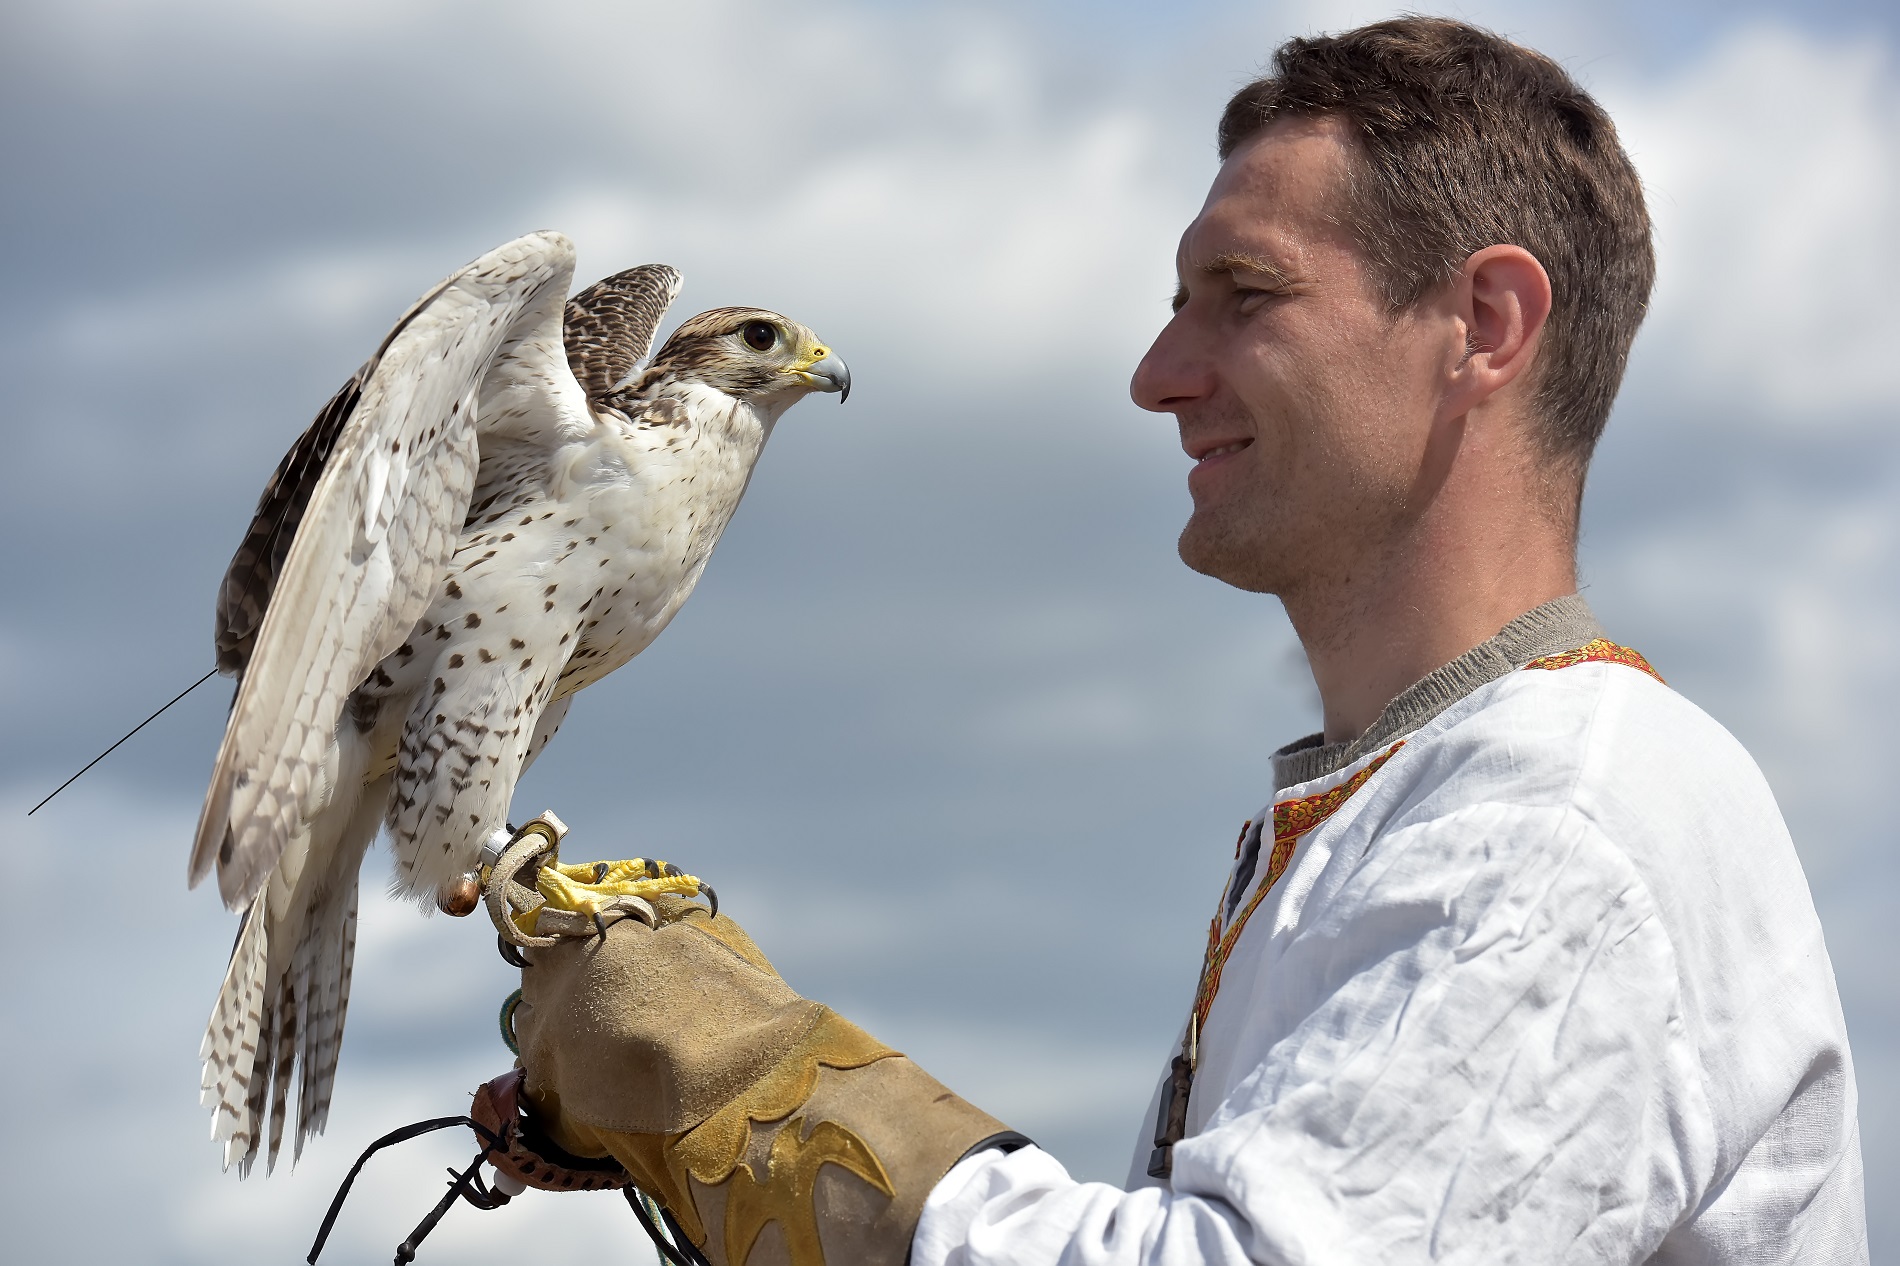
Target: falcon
(500, 508)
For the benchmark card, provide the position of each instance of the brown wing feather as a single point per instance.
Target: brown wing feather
(610, 325)
(249, 581)
(252, 575)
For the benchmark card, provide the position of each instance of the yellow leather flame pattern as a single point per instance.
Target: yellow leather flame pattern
(788, 1195)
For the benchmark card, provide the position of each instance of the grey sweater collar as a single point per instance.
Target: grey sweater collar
(1562, 624)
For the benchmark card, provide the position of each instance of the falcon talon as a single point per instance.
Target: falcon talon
(509, 954)
(600, 924)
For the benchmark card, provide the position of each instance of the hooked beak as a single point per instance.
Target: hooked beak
(828, 373)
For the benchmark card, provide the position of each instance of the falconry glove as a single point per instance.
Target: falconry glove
(770, 1128)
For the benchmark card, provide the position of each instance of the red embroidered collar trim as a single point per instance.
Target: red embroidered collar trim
(1601, 651)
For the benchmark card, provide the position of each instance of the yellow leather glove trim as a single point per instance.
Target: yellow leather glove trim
(788, 1196)
(711, 1149)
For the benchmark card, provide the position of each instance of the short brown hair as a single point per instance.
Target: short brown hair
(1467, 141)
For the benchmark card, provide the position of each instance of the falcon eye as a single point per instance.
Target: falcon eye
(760, 336)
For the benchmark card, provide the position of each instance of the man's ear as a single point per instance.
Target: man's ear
(1503, 298)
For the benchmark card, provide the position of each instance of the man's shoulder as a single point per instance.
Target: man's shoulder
(1643, 782)
(1605, 739)
(1646, 787)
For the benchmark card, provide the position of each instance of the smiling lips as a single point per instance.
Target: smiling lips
(1218, 450)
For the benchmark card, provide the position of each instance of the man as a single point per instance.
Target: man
(1519, 965)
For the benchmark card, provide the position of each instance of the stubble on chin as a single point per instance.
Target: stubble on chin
(1213, 545)
(1283, 545)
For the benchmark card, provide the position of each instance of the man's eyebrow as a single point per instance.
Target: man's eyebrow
(1246, 262)
(1229, 262)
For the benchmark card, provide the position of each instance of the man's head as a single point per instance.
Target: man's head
(1424, 259)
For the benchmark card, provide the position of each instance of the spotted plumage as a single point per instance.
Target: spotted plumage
(500, 508)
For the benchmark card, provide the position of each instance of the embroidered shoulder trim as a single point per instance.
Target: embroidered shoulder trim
(1600, 651)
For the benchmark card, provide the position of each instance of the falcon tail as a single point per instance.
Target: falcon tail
(272, 1026)
(230, 1045)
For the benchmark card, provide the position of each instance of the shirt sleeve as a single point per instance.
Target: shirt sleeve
(1472, 1050)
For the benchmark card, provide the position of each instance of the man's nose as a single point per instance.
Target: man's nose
(1174, 373)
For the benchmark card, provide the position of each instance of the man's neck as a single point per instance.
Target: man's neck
(1370, 637)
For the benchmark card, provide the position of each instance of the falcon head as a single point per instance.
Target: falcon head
(767, 360)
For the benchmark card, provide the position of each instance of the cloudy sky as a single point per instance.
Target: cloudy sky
(956, 735)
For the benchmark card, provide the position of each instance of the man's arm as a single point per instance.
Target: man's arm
(1475, 1051)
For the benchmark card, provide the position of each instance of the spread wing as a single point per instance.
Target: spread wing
(385, 503)
(252, 575)
(610, 325)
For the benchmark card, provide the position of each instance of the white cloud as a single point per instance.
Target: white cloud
(1773, 172)
(985, 254)
(287, 300)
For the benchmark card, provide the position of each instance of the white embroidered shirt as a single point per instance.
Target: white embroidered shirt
(1546, 986)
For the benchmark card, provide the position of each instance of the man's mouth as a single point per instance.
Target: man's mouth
(1218, 450)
